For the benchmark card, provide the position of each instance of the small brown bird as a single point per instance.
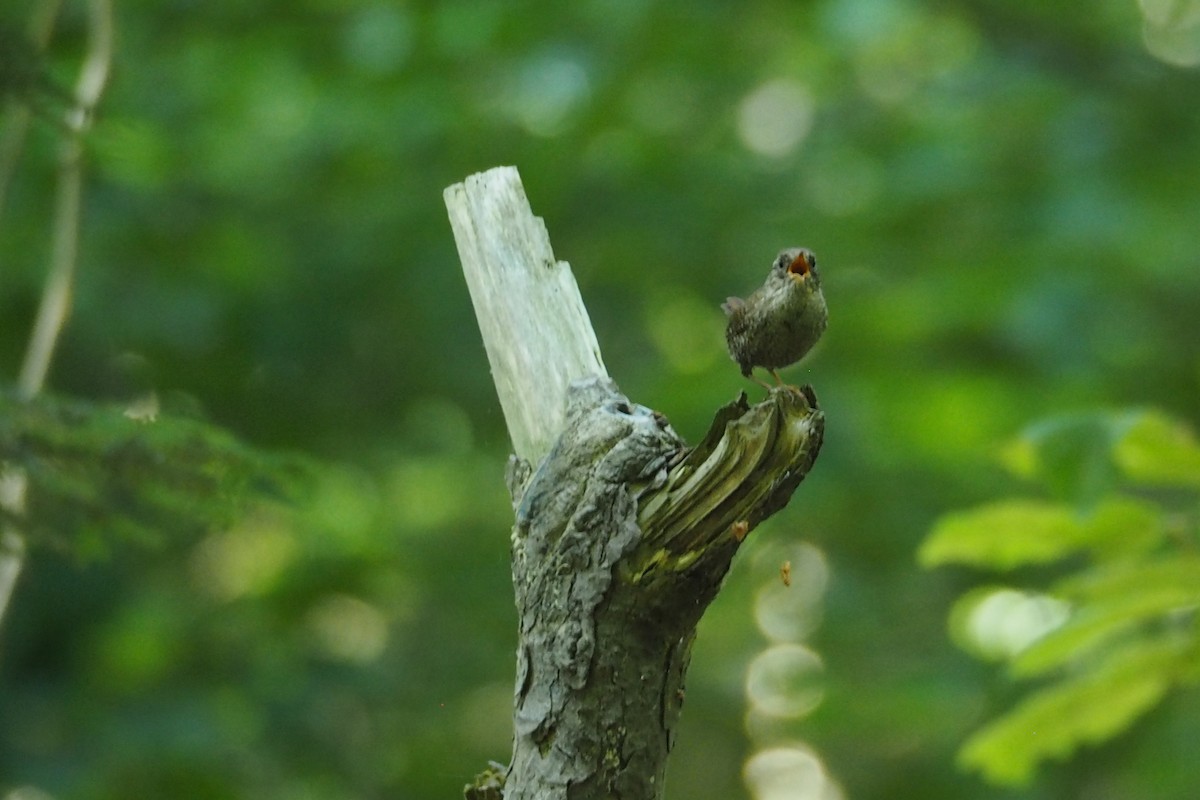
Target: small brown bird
(781, 321)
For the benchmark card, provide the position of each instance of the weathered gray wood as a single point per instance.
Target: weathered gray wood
(594, 703)
(535, 327)
(622, 536)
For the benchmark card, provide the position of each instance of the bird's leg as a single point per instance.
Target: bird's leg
(775, 374)
(750, 374)
(782, 385)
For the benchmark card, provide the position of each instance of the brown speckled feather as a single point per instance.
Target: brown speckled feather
(781, 321)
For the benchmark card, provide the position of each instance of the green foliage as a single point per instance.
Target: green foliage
(1127, 582)
(1071, 455)
(1003, 196)
(1157, 451)
(1088, 707)
(23, 75)
(1038, 532)
(20, 65)
(101, 475)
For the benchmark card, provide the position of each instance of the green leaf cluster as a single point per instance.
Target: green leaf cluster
(1108, 625)
(1002, 197)
(98, 476)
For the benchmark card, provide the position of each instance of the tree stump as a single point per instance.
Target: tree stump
(622, 532)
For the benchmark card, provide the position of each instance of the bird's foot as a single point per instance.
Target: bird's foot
(780, 385)
(750, 374)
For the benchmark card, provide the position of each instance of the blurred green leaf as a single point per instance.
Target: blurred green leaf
(1119, 526)
(1112, 603)
(1012, 533)
(1071, 455)
(1159, 451)
(1171, 572)
(1085, 709)
(1004, 535)
(1125, 628)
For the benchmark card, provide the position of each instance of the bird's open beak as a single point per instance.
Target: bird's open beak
(800, 267)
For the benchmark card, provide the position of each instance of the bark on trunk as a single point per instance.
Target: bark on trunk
(623, 533)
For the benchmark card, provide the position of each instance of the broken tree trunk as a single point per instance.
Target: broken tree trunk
(622, 534)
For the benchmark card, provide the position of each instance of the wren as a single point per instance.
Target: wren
(781, 321)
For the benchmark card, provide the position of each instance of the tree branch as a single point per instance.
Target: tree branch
(56, 296)
(622, 534)
(535, 327)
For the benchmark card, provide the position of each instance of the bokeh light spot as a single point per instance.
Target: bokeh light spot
(788, 773)
(547, 91)
(346, 628)
(687, 331)
(246, 560)
(774, 119)
(904, 49)
(1171, 30)
(485, 723)
(427, 492)
(28, 793)
(999, 623)
(789, 613)
(785, 680)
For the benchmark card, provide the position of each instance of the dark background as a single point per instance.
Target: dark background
(1004, 200)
